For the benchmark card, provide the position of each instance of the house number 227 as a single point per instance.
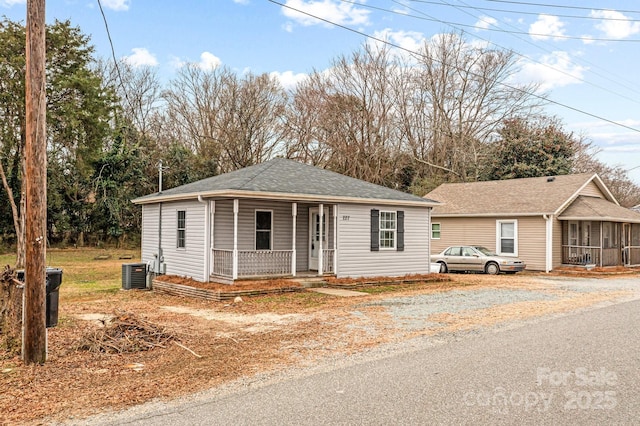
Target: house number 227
(345, 218)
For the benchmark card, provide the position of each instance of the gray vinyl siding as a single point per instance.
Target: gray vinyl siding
(149, 232)
(302, 241)
(223, 225)
(282, 222)
(282, 227)
(354, 243)
(188, 261)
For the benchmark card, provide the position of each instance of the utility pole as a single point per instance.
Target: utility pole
(34, 339)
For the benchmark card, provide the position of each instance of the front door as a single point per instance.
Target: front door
(314, 236)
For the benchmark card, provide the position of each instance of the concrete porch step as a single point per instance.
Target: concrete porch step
(309, 282)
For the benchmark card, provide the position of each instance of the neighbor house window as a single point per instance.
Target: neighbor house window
(388, 230)
(435, 231)
(182, 229)
(264, 226)
(507, 237)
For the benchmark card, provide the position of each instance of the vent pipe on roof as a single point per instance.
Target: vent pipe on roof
(551, 179)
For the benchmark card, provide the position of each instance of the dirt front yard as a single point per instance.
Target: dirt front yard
(218, 342)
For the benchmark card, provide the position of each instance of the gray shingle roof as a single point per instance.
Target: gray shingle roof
(540, 195)
(282, 176)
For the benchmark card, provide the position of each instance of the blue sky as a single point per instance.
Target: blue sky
(586, 57)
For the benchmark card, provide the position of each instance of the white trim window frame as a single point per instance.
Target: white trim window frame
(434, 231)
(260, 228)
(388, 230)
(507, 237)
(181, 229)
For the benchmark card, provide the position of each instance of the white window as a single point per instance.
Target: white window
(507, 237)
(388, 227)
(435, 231)
(182, 229)
(264, 226)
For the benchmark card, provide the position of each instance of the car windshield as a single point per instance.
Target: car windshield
(484, 251)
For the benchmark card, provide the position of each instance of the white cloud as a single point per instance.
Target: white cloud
(338, 12)
(546, 27)
(615, 24)
(554, 70)
(9, 3)
(141, 57)
(288, 79)
(485, 22)
(241, 1)
(288, 27)
(209, 61)
(410, 40)
(116, 4)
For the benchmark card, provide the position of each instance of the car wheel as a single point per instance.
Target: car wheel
(492, 268)
(443, 268)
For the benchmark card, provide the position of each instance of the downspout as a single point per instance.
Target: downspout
(207, 224)
(548, 243)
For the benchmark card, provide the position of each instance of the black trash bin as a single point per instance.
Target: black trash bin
(53, 283)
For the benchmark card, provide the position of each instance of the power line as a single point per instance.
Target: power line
(520, 12)
(606, 76)
(113, 54)
(562, 6)
(431, 18)
(543, 98)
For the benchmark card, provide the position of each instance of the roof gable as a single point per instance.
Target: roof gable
(593, 208)
(285, 178)
(526, 196)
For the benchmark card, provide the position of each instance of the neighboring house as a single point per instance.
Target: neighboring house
(283, 218)
(546, 221)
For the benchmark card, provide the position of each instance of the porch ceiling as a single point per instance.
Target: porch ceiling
(598, 209)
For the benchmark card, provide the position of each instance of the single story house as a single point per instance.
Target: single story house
(284, 218)
(545, 221)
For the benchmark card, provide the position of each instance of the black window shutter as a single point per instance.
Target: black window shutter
(400, 224)
(375, 230)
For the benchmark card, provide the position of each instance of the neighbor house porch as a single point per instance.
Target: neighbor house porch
(600, 243)
(268, 239)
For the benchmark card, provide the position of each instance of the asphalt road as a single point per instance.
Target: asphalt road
(582, 368)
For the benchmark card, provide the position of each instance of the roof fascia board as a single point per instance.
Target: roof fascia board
(275, 196)
(599, 219)
(466, 215)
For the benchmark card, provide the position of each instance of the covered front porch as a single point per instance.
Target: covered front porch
(267, 239)
(600, 243)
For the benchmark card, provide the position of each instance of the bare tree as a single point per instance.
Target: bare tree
(461, 95)
(345, 118)
(234, 122)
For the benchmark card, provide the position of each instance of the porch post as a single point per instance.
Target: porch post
(549, 243)
(212, 243)
(294, 213)
(320, 259)
(601, 243)
(335, 239)
(235, 238)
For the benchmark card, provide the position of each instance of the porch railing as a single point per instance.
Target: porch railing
(267, 262)
(580, 255)
(222, 263)
(327, 261)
